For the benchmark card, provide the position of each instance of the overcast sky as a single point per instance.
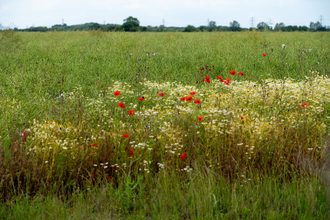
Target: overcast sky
(27, 13)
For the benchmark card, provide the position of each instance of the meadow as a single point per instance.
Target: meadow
(97, 125)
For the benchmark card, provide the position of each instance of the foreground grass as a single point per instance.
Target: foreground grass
(203, 195)
(251, 145)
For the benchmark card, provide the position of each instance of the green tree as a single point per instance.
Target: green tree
(303, 28)
(202, 28)
(291, 28)
(161, 28)
(279, 27)
(234, 26)
(263, 26)
(131, 24)
(212, 25)
(95, 26)
(190, 28)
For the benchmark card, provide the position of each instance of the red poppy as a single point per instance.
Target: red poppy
(189, 98)
(193, 93)
(200, 118)
(59, 203)
(117, 93)
(244, 75)
(207, 78)
(304, 105)
(110, 177)
(125, 136)
(131, 112)
(121, 105)
(161, 94)
(206, 66)
(196, 81)
(219, 77)
(232, 72)
(94, 145)
(70, 208)
(198, 101)
(23, 135)
(131, 152)
(93, 175)
(213, 66)
(264, 54)
(126, 148)
(242, 117)
(240, 73)
(142, 98)
(305, 152)
(202, 68)
(209, 69)
(228, 80)
(183, 98)
(183, 156)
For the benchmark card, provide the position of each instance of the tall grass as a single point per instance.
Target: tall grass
(258, 150)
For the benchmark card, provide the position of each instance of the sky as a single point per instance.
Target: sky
(180, 13)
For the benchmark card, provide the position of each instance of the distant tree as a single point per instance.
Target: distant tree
(212, 26)
(190, 28)
(114, 27)
(161, 28)
(130, 19)
(202, 28)
(95, 26)
(234, 26)
(131, 24)
(279, 27)
(291, 28)
(316, 26)
(150, 28)
(37, 29)
(224, 28)
(303, 28)
(263, 26)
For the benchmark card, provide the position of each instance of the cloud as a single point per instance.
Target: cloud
(42, 4)
(135, 6)
(4, 8)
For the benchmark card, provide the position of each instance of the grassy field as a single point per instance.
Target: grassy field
(101, 125)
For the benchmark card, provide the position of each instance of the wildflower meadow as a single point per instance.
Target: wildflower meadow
(101, 125)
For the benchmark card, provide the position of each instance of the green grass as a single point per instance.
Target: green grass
(257, 153)
(203, 195)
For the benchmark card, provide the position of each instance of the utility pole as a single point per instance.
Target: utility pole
(164, 22)
(270, 23)
(62, 21)
(321, 19)
(103, 22)
(252, 22)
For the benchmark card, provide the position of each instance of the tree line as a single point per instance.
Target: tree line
(132, 24)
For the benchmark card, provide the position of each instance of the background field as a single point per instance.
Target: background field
(38, 69)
